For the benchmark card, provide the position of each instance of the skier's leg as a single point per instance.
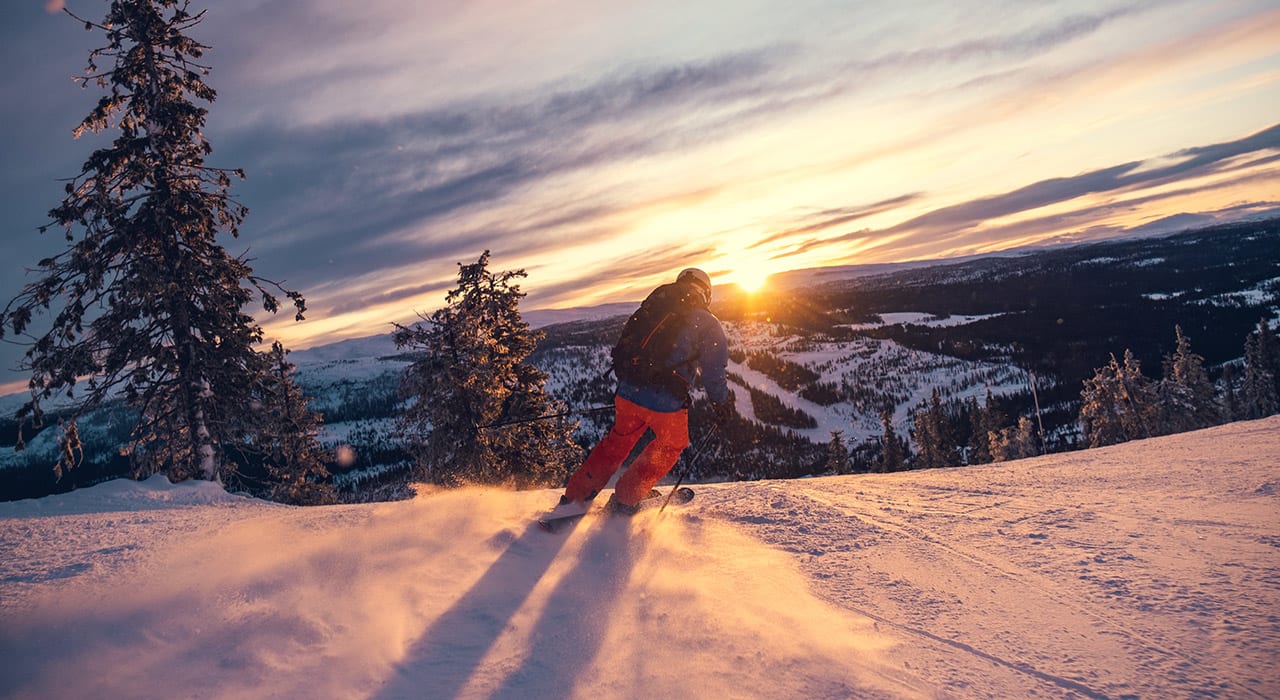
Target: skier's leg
(605, 458)
(671, 436)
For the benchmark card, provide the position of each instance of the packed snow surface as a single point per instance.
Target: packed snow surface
(1145, 570)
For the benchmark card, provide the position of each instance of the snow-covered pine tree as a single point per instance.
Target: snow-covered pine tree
(1139, 395)
(1102, 407)
(1186, 397)
(1014, 442)
(1259, 392)
(287, 439)
(476, 405)
(151, 306)
(1118, 404)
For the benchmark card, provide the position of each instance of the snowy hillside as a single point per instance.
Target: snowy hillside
(881, 368)
(1145, 570)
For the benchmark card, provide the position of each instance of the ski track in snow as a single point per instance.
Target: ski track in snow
(1108, 576)
(1145, 570)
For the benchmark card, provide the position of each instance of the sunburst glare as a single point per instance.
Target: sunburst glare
(751, 276)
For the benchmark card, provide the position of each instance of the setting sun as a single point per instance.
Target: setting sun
(750, 277)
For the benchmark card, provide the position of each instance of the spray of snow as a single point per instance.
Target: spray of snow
(1146, 569)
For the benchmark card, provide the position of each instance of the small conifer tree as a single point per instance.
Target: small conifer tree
(1260, 393)
(982, 422)
(477, 407)
(1230, 395)
(1187, 399)
(837, 454)
(935, 444)
(287, 441)
(1014, 442)
(893, 449)
(1117, 404)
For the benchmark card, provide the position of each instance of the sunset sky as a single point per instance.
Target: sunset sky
(601, 145)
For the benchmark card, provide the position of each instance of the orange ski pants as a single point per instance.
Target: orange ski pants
(671, 436)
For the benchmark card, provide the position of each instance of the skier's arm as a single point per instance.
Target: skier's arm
(714, 359)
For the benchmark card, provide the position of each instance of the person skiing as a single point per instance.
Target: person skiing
(669, 340)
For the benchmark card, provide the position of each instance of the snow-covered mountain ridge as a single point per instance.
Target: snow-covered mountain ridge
(1143, 570)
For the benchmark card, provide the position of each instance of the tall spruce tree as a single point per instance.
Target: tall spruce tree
(151, 307)
(476, 406)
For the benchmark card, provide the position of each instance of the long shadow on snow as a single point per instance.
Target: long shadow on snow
(576, 620)
(452, 648)
(451, 651)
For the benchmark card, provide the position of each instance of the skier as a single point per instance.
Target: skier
(676, 337)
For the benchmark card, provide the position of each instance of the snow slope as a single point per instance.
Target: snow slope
(1145, 570)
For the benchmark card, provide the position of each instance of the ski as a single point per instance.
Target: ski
(562, 517)
(553, 522)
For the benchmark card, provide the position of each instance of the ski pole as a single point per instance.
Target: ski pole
(697, 452)
(593, 409)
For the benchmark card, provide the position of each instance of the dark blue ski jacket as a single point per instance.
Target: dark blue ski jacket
(700, 348)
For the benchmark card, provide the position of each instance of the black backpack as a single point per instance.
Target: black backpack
(649, 336)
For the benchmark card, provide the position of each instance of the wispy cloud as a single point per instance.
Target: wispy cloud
(971, 222)
(630, 276)
(817, 222)
(352, 304)
(1127, 176)
(399, 180)
(370, 194)
(1024, 43)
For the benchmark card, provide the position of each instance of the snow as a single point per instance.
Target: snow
(903, 375)
(1144, 570)
(923, 319)
(380, 345)
(1258, 296)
